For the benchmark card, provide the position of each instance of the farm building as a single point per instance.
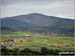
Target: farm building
(7, 44)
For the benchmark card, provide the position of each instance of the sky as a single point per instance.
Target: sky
(58, 8)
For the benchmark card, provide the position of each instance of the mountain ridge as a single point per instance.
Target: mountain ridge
(35, 13)
(34, 20)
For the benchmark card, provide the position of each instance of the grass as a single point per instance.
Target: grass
(37, 40)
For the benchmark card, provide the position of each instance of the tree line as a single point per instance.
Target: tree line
(27, 51)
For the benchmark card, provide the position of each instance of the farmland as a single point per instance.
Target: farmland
(35, 41)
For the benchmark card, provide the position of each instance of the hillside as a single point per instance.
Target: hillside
(36, 22)
(39, 20)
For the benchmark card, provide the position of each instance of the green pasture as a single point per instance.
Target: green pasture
(37, 41)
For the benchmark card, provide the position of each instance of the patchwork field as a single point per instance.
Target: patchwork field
(35, 41)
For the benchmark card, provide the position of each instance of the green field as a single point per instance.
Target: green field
(35, 41)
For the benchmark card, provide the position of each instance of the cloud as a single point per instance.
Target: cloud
(59, 8)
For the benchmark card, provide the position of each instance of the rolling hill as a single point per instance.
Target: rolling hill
(36, 22)
(34, 19)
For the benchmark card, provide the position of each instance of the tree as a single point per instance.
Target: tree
(15, 50)
(44, 50)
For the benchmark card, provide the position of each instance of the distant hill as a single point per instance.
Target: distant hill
(38, 23)
(34, 19)
(65, 29)
(7, 22)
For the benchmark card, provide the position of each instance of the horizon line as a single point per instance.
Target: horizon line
(34, 13)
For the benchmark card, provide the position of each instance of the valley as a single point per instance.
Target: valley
(35, 41)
